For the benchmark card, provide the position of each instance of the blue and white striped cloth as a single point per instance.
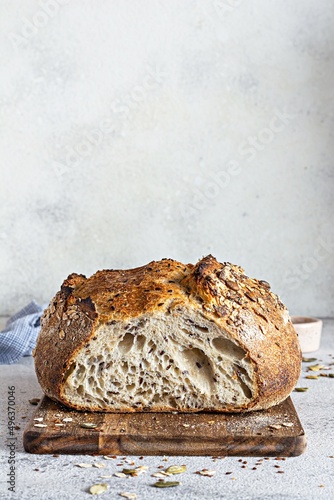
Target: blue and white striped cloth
(19, 336)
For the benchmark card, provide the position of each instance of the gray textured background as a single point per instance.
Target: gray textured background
(132, 131)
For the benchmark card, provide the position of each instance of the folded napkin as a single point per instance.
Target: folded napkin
(20, 334)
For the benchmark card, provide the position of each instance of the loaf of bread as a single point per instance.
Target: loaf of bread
(167, 337)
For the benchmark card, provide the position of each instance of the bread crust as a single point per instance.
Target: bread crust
(253, 316)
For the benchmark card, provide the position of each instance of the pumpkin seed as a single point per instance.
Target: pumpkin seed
(301, 389)
(176, 469)
(83, 466)
(166, 484)
(97, 489)
(130, 496)
(119, 474)
(315, 368)
(88, 425)
(287, 424)
(67, 419)
(40, 425)
(130, 472)
(309, 360)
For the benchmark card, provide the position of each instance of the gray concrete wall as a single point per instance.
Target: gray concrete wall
(133, 131)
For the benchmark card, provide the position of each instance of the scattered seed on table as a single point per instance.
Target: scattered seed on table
(34, 401)
(206, 472)
(315, 368)
(97, 489)
(166, 484)
(176, 469)
(88, 425)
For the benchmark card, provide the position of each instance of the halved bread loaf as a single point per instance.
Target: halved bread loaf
(167, 336)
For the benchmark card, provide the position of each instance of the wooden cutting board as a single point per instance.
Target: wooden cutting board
(258, 433)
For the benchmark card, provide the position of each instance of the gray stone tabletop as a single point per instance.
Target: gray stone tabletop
(308, 476)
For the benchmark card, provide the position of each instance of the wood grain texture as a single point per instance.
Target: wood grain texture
(247, 434)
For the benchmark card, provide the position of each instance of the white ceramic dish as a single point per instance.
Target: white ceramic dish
(309, 332)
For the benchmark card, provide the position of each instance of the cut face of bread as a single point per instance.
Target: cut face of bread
(167, 336)
(178, 360)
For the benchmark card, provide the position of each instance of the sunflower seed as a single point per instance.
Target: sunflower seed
(309, 360)
(99, 465)
(265, 284)
(83, 466)
(142, 468)
(301, 389)
(97, 489)
(287, 424)
(88, 425)
(232, 285)
(206, 472)
(313, 377)
(130, 496)
(119, 474)
(34, 401)
(67, 419)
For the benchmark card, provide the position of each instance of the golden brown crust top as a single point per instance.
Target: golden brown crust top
(245, 307)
